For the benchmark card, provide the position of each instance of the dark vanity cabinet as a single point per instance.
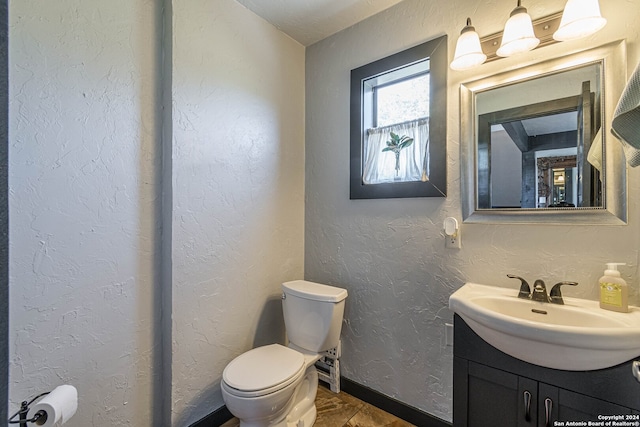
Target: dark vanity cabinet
(493, 389)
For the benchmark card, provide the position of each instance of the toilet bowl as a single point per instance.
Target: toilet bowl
(274, 385)
(264, 385)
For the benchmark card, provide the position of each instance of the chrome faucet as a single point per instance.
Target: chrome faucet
(539, 292)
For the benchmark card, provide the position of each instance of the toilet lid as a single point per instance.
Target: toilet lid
(263, 367)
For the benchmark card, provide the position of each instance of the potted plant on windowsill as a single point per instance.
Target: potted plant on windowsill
(396, 144)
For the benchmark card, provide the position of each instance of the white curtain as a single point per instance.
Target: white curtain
(380, 167)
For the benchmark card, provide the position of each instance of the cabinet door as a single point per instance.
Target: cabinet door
(495, 398)
(556, 404)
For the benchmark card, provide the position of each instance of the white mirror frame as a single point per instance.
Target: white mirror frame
(614, 211)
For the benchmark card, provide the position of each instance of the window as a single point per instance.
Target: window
(404, 100)
(398, 124)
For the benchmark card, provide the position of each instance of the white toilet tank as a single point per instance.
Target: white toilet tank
(313, 314)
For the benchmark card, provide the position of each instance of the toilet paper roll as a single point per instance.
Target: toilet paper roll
(59, 406)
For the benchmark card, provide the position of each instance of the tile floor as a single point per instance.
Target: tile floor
(343, 410)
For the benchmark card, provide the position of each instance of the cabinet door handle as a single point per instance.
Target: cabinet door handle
(548, 406)
(527, 406)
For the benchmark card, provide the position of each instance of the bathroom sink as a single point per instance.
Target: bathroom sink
(576, 336)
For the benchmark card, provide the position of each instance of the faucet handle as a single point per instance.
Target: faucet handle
(556, 294)
(525, 290)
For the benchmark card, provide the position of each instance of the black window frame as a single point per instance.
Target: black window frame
(436, 51)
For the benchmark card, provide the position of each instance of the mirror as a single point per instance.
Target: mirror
(529, 129)
(535, 145)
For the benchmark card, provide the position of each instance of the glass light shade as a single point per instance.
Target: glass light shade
(580, 18)
(468, 50)
(518, 36)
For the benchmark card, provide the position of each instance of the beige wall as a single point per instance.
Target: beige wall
(84, 130)
(390, 254)
(238, 191)
(86, 184)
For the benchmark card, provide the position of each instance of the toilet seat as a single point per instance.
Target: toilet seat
(263, 370)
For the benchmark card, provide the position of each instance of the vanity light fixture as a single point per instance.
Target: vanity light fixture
(579, 18)
(468, 50)
(518, 36)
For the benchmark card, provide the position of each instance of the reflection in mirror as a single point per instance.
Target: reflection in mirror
(535, 142)
(522, 142)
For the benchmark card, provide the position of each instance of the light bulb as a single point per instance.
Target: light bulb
(580, 18)
(468, 49)
(518, 36)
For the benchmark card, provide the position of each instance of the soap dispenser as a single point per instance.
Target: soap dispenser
(614, 292)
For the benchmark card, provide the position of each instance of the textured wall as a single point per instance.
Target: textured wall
(238, 191)
(83, 200)
(390, 254)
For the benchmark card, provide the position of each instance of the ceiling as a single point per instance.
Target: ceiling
(309, 21)
(554, 123)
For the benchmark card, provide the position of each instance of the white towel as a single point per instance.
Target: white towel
(626, 120)
(594, 156)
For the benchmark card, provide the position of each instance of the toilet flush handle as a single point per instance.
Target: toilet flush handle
(284, 296)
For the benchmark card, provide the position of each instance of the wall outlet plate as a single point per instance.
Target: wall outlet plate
(448, 333)
(453, 242)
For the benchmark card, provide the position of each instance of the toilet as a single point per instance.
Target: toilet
(274, 385)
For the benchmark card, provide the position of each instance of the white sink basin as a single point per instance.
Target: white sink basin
(576, 336)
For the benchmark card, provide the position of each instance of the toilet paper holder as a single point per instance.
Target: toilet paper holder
(24, 409)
